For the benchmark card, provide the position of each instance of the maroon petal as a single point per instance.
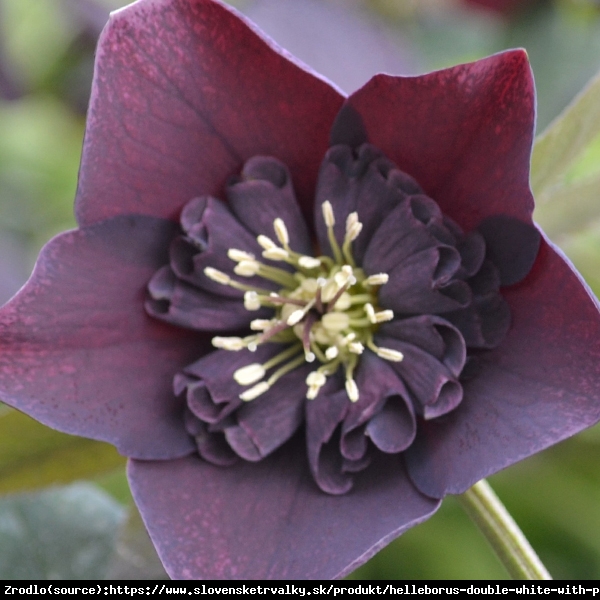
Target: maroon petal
(78, 352)
(537, 388)
(185, 92)
(268, 520)
(463, 133)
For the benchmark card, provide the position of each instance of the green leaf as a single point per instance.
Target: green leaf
(64, 533)
(33, 455)
(565, 140)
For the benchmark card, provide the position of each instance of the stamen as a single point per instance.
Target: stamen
(383, 316)
(266, 242)
(370, 312)
(276, 254)
(386, 353)
(239, 255)
(328, 215)
(315, 381)
(281, 232)
(251, 300)
(217, 276)
(356, 347)
(331, 352)
(261, 324)
(352, 390)
(378, 279)
(329, 219)
(228, 343)
(308, 262)
(247, 268)
(254, 392)
(249, 374)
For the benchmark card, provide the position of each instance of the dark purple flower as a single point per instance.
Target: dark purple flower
(500, 342)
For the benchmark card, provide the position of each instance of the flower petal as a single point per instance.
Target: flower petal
(268, 520)
(463, 133)
(78, 352)
(264, 192)
(537, 388)
(174, 301)
(185, 91)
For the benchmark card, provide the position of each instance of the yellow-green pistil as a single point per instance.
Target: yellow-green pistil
(326, 310)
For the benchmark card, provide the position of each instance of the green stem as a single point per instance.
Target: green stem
(512, 548)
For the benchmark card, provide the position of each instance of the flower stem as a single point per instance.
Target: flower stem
(510, 545)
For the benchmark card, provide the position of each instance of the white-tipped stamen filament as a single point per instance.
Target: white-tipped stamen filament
(239, 255)
(352, 390)
(328, 215)
(255, 392)
(249, 374)
(228, 343)
(276, 254)
(331, 352)
(356, 347)
(251, 300)
(308, 262)
(383, 316)
(389, 354)
(377, 279)
(281, 232)
(217, 276)
(266, 243)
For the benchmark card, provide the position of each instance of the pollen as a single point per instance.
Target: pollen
(325, 311)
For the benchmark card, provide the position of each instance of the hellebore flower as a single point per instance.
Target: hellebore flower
(390, 326)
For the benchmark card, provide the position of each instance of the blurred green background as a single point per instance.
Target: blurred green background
(88, 528)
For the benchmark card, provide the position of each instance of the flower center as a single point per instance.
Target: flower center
(326, 310)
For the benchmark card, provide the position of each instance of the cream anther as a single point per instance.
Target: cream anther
(276, 254)
(352, 390)
(261, 324)
(217, 275)
(281, 231)
(249, 374)
(309, 357)
(228, 343)
(254, 392)
(370, 312)
(356, 347)
(351, 220)
(295, 317)
(378, 279)
(239, 255)
(389, 354)
(247, 268)
(331, 352)
(308, 262)
(383, 316)
(327, 210)
(251, 300)
(266, 243)
(354, 231)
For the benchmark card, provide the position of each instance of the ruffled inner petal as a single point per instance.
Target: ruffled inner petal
(264, 192)
(350, 180)
(420, 284)
(267, 422)
(434, 388)
(211, 230)
(179, 303)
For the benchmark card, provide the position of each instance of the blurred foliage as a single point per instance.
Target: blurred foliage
(46, 53)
